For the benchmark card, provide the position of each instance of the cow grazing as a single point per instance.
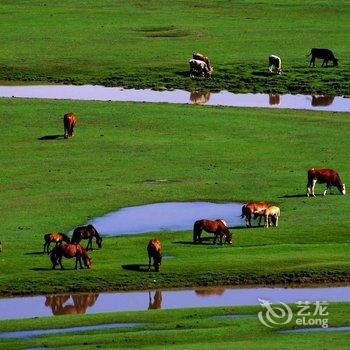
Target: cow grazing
(271, 213)
(69, 121)
(325, 54)
(328, 176)
(199, 68)
(275, 62)
(154, 250)
(253, 210)
(198, 56)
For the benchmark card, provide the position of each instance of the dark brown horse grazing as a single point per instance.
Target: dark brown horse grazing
(154, 250)
(70, 250)
(218, 227)
(56, 237)
(87, 232)
(69, 121)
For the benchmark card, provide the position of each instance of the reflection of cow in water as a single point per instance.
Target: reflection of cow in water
(157, 300)
(80, 303)
(210, 291)
(274, 99)
(200, 97)
(320, 100)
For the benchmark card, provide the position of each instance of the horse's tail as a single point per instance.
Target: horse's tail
(197, 230)
(243, 211)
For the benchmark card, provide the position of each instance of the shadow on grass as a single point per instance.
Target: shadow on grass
(35, 253)
(263, 74)
(51, 137)
(183, 74)
(136, 267)
(293, 196)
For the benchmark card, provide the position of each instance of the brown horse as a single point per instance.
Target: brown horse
(70, 250)
(69, 121)
(218, 227)
(56, 237)
(154, 250)
(87, 232)
(253, 209)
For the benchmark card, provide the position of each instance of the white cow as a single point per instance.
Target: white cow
(275, 61)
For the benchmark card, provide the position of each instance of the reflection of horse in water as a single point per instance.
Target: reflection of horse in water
(200, 97)
(320, 100)
(157, 300)
(80, 303)
(274, 99)
(210, 291)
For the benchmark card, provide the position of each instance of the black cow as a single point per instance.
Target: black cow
(325, 54)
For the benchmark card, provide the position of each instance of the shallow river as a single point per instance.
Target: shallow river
(61, 304)
(222, 98)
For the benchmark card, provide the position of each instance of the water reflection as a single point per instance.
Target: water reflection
(156, 302)
(23, 307)
(274, 99)
(200, 97)
(321, 100)
(222, 98)
(210, 291)
(79, 305)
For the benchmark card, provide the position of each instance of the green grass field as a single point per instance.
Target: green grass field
(148, 43)
(207, 153)
(179, 329)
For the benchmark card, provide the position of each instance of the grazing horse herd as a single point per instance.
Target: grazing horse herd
(200, 65)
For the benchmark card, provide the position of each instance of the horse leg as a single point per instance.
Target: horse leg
(149, 262)
(276, 220)
(60, 262)
(45, 247)
(266, 224)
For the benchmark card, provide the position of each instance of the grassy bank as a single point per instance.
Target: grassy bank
(148, 43)
(205, 153)
(179, 329)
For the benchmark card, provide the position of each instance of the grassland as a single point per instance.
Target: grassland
(144, 43)
(179, 329)
(207, 153)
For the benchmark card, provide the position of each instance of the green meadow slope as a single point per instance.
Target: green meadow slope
(148, 43)
(205, 153)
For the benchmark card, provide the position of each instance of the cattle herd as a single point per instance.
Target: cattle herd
(200, 65)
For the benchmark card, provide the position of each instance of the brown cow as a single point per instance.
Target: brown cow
(70, 250)
(321, 100)
(200, 57)
(154, 250)
(328, 176)
(255, 209)
(56, 237)
(69, 121)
